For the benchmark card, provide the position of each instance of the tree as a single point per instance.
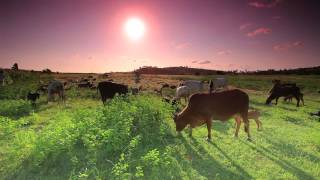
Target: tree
(15, 67)
(47, 71)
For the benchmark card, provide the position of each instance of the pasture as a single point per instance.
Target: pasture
(133, 137)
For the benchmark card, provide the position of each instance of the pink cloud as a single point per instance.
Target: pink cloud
(183, 45)
(245, 26)
(287, 46)
(259, 31)
(194, 61)
(264, 4)
(276, 17)
(204, 62)
(227, 52)
(298, 43)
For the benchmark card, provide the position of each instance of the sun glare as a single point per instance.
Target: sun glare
(134, 28)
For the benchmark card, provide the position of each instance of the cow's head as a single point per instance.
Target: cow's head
(179, 121)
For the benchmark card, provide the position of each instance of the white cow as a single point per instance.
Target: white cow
(193, 85)
(182, 91)
(217, 83)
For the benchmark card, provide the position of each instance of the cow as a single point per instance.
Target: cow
(193, 85)
(56, 87)
(216, 83)
(315, 114)
(33, 97)
(204, 107)
(284, 91)
(182, 92)
(173, 87)
(108, 89)
(85, 85)
(134, 91)
(43, 88)
(253, 114)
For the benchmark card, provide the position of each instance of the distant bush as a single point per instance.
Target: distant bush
(47, 71)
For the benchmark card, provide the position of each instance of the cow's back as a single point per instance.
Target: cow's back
(221, 105)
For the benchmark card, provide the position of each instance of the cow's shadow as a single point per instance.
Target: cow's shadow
(209, 167)
(278, 159)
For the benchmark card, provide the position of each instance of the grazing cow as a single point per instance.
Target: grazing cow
(193, 85)
(43, 88)
(182, 91)
(284, 91)
(173, 87)
(315, 114)
(85, 85)
(203, 107)
(109, 89)
(251, 115)
(33, 97)
(56, 87)
(134, 91)
(165, 85)
(216, 83)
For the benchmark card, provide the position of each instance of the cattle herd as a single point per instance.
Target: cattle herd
(218, 103)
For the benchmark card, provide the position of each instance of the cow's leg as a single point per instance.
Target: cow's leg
(298, 99)
(209, 122)
(277, 100)
(258, 123)
(238, 124)
(246, 124)
(301, 97)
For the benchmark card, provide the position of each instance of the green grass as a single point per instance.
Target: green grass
(134, 138)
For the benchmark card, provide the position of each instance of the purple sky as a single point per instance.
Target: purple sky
(88, 36)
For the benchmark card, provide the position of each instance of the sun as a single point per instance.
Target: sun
(134, 28)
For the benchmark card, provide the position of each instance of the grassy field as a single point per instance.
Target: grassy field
(134, 137)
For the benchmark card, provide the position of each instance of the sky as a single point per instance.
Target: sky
(89, 35)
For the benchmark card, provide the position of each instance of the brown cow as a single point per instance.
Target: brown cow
(203, 107)
(254, 114)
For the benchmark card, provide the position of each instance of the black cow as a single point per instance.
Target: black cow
(33, 97)
(284, 91)
(109, 89)
(315, 114)
(85, 85)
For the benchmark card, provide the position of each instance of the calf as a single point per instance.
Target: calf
(284, 91)
(56, 87)
(289, 98)
(251, 115)
(203, 107)
(33, 97)
(109, 89)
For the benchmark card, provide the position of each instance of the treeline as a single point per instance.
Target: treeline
(184, 70)
(297, 71)
(181, 70)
